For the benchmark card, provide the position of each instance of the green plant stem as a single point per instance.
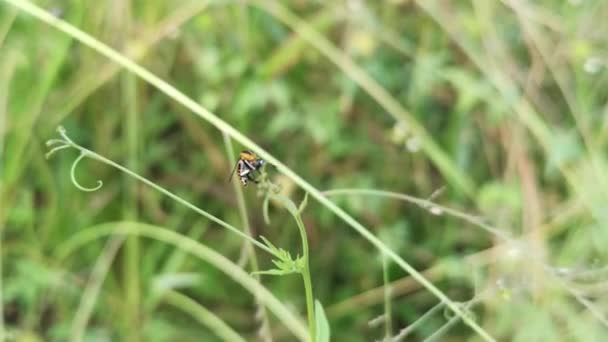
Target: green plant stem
(448, 325)
(310, 300)
(407, 330)
(388, 323)
(245, 141)
(132, 249)
(424, 204)
(4, 80)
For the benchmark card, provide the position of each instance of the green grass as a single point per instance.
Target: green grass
(366, 107)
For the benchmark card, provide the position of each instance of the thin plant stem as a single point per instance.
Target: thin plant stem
(310, 300)
(444, 328)
(424, 204)
(449, 324)
(132, 249)
(407, 330)
(388, 323)
(6, 73)
(178, 96)
(304, 268)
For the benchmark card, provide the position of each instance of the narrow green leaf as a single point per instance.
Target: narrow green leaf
(323, 331)
(271, 272)
(273, 249)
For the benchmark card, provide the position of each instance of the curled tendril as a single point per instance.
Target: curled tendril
(66, 142)
(73, 175)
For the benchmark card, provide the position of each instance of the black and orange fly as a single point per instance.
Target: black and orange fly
(247, 165)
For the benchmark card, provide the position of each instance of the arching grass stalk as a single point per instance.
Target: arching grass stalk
(93, 288)
(194, 248)
(192, 105)
(203, 316)
(66, 142)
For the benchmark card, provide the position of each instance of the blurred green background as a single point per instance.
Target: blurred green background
(500, 105)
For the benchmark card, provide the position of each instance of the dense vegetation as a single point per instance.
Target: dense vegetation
(469, 137)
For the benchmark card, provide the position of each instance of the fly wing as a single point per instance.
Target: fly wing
(233, 169)
(250, 166)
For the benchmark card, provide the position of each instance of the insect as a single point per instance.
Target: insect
(246, 166)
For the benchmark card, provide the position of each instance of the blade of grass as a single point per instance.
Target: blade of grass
(203, 315)
(132, 249)
(7, 22)
(292, 49)
(174, 263)
(93, 287)
(388, 321)
(407, 330)
(7, 69)
(49, 72)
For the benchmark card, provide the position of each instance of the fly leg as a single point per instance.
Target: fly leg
(251, 178)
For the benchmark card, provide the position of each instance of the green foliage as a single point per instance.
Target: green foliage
(501, 103)
(285, 263)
